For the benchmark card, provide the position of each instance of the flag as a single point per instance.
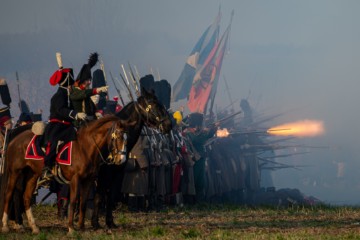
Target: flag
(196, 58)
(206, 78)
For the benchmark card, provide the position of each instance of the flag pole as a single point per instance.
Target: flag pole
(228, 39)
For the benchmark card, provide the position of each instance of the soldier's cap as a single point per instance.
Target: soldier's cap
(63, 77)
(85, 72)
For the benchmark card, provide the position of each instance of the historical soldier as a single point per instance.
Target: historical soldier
(62, 114)
(99, 81)
(24, 119)
(5, 116)
(81, 92)
(136, 175)
(198, 137)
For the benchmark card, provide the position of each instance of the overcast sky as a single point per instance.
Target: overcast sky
(284, 55)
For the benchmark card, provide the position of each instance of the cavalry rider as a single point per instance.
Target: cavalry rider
(84, 98)
(5, 116)
(60, 128)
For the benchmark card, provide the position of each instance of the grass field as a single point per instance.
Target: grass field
(210, 222)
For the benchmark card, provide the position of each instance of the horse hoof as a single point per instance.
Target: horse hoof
(35, 230)
(95, 226)
(5, 229)
(71, 232)
(112, 225)
(19, 228)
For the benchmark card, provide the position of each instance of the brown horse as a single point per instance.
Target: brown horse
(94, 143)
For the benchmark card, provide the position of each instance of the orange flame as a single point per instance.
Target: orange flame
(222, 133)
(302, 128)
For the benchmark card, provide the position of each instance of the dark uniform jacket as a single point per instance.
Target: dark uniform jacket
(82, 102)
(60, 125)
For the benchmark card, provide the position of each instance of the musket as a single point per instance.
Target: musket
(266, 119)
(258, 132)
(280, 165)
(117, 90)
(18, 88)
(225, 118)
(228, 92)
(286, 155)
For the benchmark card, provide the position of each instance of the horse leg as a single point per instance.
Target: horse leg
(110, 202)
(17, 202)
(13, 176)
(29, 191)
(74, 186)
(95, 216)
(84, 193)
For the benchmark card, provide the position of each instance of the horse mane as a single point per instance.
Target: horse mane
(92, 126)
(126, 111)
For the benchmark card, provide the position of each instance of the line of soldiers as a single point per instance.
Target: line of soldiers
(190, 165)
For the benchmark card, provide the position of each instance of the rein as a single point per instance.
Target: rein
(114, 136)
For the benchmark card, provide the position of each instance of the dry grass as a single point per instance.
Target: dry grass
(211, 222)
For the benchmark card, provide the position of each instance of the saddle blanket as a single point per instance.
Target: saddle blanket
(35, 152)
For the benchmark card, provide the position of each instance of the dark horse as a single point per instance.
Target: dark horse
(148, 111)
(94, 142)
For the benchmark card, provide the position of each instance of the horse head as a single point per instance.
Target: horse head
(118, 141)
(153, 113)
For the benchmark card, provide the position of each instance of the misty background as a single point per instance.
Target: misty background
(297, 57)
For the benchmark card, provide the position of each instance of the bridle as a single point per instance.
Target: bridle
(115, 135)
(149, 111)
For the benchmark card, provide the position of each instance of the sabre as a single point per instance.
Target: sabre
(127, 87)
(44, 198)
(134, 81)
(137, 72)
(127, 80)
(117, 90)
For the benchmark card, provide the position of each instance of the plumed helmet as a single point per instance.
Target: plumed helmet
(85, 72)
(178, 117)
(64, 77)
